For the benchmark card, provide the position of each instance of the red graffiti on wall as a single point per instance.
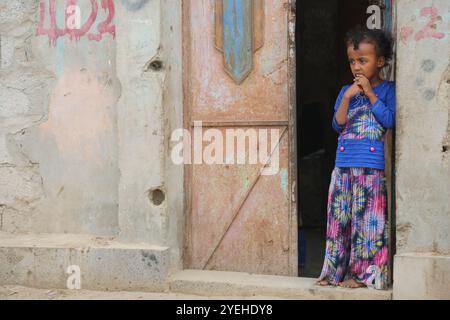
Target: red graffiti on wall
(105, 26)
(428, 31)
(54, 32)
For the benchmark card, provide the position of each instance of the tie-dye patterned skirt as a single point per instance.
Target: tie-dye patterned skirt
(357, 228)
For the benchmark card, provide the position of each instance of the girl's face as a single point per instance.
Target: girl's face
(365, 61)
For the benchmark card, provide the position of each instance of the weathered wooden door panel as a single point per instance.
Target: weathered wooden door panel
(240, 218)
(236, 77)
(263, 95)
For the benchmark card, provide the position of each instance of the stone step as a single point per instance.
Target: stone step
(219, 283)
(41, 261)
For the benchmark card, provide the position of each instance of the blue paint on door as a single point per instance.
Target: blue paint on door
(238, 38)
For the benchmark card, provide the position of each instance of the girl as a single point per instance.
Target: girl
(357, 224)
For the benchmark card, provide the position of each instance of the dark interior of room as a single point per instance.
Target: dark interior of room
(322, 70)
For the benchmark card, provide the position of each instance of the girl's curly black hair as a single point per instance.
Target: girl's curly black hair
(381, 39)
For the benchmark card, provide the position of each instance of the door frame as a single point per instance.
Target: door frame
(292, 130)
(293, 161)
(389, 15)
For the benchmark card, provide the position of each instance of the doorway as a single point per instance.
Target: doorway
(322, 71)
(237, 86)
(236, 218)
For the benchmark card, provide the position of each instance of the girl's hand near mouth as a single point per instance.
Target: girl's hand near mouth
(364, 84)
(352, 91)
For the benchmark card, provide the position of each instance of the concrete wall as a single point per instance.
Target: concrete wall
(422, 268)
(86, 118)
(58, 145)
(150, 108)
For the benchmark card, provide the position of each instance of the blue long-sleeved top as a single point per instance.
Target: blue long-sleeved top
(361, 139)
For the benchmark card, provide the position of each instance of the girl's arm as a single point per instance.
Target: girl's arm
(341, 114)
(337, 106)
(341, 106)
(384, 112)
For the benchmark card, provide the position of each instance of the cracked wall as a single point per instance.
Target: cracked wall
(58, 125)
(23, 79)
(86, 117)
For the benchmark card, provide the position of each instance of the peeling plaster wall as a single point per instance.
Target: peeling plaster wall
(150, 108)
(140, 115)
(61, 145)
(86, 118)
(422, 260)
(58, 125)
(22, 105)
(423, 193)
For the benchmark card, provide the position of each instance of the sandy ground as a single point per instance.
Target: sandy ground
(24, 293)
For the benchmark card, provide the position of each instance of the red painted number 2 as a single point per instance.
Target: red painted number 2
(428, 31)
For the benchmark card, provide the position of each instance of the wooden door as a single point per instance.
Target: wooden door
(238, 58)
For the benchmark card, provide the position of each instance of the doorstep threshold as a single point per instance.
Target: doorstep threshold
(224, 283)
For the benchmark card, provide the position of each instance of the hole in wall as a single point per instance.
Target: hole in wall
(155, 65)
(157, 196)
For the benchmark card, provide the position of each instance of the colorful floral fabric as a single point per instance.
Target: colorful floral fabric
(362, 123)
(361, 138)
(357, 228)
